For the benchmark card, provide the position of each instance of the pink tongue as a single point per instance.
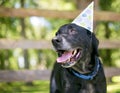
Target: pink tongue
(64, 57)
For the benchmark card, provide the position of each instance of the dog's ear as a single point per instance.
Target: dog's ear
(95, 44)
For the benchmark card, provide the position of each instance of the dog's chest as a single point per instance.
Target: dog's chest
(72, 84)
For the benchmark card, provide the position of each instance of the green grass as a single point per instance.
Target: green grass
(20, 87)
(113, 88)
(42, 87)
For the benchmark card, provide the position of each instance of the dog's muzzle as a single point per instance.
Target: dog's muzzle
(67, 56)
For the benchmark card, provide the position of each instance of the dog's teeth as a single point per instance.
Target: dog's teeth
(68, 60)
(75, 52)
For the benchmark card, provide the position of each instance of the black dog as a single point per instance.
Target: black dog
(78, 68)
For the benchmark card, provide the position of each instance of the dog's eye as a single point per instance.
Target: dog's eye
(72, 31)
(56, 33)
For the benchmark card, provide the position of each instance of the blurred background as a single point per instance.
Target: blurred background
(26, 30)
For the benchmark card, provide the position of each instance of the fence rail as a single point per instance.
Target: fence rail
(25, 44)
(24, 75)
(31, 75)
(44, 44)
(22, 12)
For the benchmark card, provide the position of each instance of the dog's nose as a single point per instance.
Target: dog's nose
(56, 40)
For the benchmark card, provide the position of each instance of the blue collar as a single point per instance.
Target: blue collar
(91, 75)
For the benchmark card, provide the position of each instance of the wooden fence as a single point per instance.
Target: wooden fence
(21, 12)
(28, 44)
(30, 75)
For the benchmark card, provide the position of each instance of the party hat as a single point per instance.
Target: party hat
(85, 19)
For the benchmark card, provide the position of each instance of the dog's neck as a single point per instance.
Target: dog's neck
(85, 67)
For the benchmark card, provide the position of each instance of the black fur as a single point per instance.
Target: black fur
(71, 36)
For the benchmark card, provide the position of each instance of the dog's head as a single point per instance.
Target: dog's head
(74, 45)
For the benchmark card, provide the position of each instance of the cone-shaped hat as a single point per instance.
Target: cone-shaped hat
(85, 19)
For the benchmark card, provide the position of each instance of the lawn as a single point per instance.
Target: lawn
(41, 87)
(113, 88)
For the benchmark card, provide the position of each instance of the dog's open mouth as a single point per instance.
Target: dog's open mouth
(68, 58)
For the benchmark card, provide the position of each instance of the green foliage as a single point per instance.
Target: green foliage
(9, 3)
(106, 4)
(109, 31)
(21, 87)
(11, 28)
(116, 6)
(56, 4)
(113, 88)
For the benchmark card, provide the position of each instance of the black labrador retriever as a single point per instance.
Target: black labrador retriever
(78, 68)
